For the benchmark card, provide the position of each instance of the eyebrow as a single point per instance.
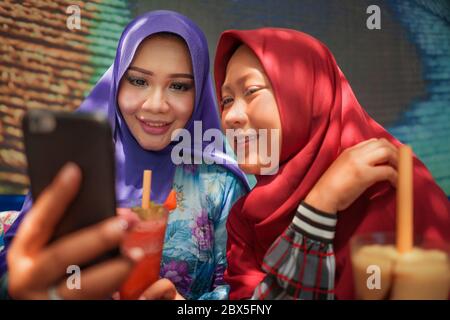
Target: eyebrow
(241, 80)
(173, 75)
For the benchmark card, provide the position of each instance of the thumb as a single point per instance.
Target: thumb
(162, 289)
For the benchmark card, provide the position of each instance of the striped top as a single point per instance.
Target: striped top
(300, 264)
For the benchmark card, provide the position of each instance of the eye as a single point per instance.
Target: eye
(180, 86)
(137, 82)
(226, 102)
(251, 90)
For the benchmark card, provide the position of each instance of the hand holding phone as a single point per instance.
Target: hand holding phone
(53, 139)
(72, 220)
(35, 265)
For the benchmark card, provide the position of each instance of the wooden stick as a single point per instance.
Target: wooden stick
(405, 200)
(146, 187)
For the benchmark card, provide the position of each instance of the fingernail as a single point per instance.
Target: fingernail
(69, 172)
(118, 227)
(116, 296)
(123, 224)
(136, 254)
(128, 221)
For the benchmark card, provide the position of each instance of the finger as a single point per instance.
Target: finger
(97, 282)
(38, 226)
(129, 214)
(123, 211)
(162, 289)
(386, 143)
(380, 143)
(364, 143)
(366, 146)
(80, 248)
(383, 155)
(384, 173)
(179, 297)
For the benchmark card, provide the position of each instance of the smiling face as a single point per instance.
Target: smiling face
(156, 94)
(249, 105)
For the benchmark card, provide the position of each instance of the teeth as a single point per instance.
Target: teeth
(152, 124)
(155, 124)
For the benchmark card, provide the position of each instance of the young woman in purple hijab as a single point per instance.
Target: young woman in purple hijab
(159, 82)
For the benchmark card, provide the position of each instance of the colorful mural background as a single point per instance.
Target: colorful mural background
(400, 73)
(45, 65)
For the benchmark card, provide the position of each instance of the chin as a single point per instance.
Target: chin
(152, 146)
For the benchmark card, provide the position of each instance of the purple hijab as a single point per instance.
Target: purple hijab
(131, 158)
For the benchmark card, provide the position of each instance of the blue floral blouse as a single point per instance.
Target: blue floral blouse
(194, 254)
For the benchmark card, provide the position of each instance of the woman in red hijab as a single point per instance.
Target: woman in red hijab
(289, 237)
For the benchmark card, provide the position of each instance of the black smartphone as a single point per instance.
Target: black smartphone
(54, 138)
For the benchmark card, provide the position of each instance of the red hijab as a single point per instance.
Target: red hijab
(320, 117)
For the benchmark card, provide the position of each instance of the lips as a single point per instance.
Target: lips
(244, 142)
(246, 139)
(154, 127)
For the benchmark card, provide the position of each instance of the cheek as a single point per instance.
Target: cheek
(264, 113)
(128, 101)
(182, 108)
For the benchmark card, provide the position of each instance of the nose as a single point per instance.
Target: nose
(236, 116)
(155, 101)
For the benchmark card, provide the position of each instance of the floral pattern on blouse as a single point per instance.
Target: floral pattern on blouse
(194, 254)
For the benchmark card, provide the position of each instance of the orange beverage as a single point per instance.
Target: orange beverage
(147, 235)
